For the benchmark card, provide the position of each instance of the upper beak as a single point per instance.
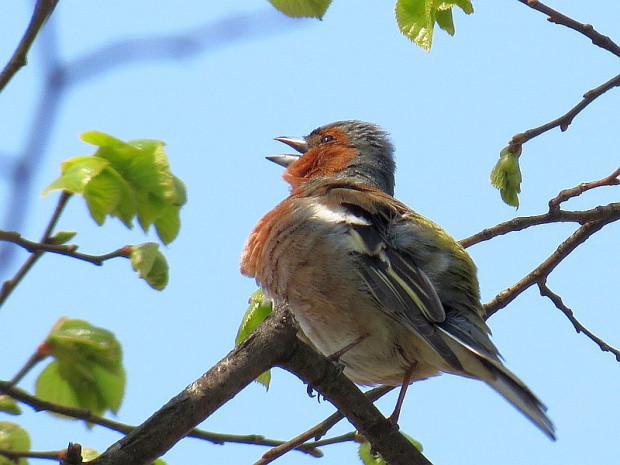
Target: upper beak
(297, 143)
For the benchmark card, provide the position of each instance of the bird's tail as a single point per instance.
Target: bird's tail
(495, 374)
(519, 395)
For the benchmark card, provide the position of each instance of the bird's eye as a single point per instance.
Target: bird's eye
(326, 139)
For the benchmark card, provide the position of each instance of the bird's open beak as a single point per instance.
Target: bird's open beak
(297, 143)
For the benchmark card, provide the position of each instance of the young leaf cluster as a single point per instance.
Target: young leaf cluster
(416, 18)
(126, 180)
(87, 370)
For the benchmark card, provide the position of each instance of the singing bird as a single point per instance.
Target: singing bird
(372, 284)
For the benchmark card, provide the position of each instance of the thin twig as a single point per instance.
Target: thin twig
(587, 30)
(609, 213)
(42, 10)
(62, 249)
(566, 194)
(346, 437)
(316, 431)
(9, 285)
(545, 268)
(566, 119)
(86, 415)
(557, 300)
(31, 454)
(35, 358)
(555, 214)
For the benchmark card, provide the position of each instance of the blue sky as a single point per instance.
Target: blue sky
(449, 113)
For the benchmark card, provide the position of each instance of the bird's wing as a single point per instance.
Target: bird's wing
(400, 288)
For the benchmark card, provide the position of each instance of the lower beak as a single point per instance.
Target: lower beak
(283, 160)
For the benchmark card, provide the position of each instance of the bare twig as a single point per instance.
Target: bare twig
(31, 454)
(10, 284)
(35, 358)
(587, 30)
(566, 119)
(545, 268)
(557, 300)
(62, 249)
(608, 213)
(598, 39)
(86, 415)
(316, 431)
(42, 10)
(566, 194)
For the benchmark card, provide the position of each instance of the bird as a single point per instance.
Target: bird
(380, 289)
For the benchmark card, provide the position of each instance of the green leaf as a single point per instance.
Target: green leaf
(168, 223)
(257, 311)
(506, 175)
(102, 195)
(150, 264)
(416, 18)
(445, 21)
(62, 237)
(102, 139)
(302, 8)
(125, 180)
(76, 173)
(370, 457)
(8, 405)
(13, 437)
(87, 371)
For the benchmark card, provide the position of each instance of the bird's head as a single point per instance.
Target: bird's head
(348, 150)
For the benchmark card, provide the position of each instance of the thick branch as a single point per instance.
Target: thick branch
(274, 342)
(42, 10)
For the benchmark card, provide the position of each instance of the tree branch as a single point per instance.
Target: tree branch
(557, 300)
(273, 343)
(42, 10)
(62, 249)
(545, 268)
(316, 431)
(566, 194)
(9, 285)
(609, 213)
(14, 455)
(7, 387)
(587, 30)
(566, 119)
